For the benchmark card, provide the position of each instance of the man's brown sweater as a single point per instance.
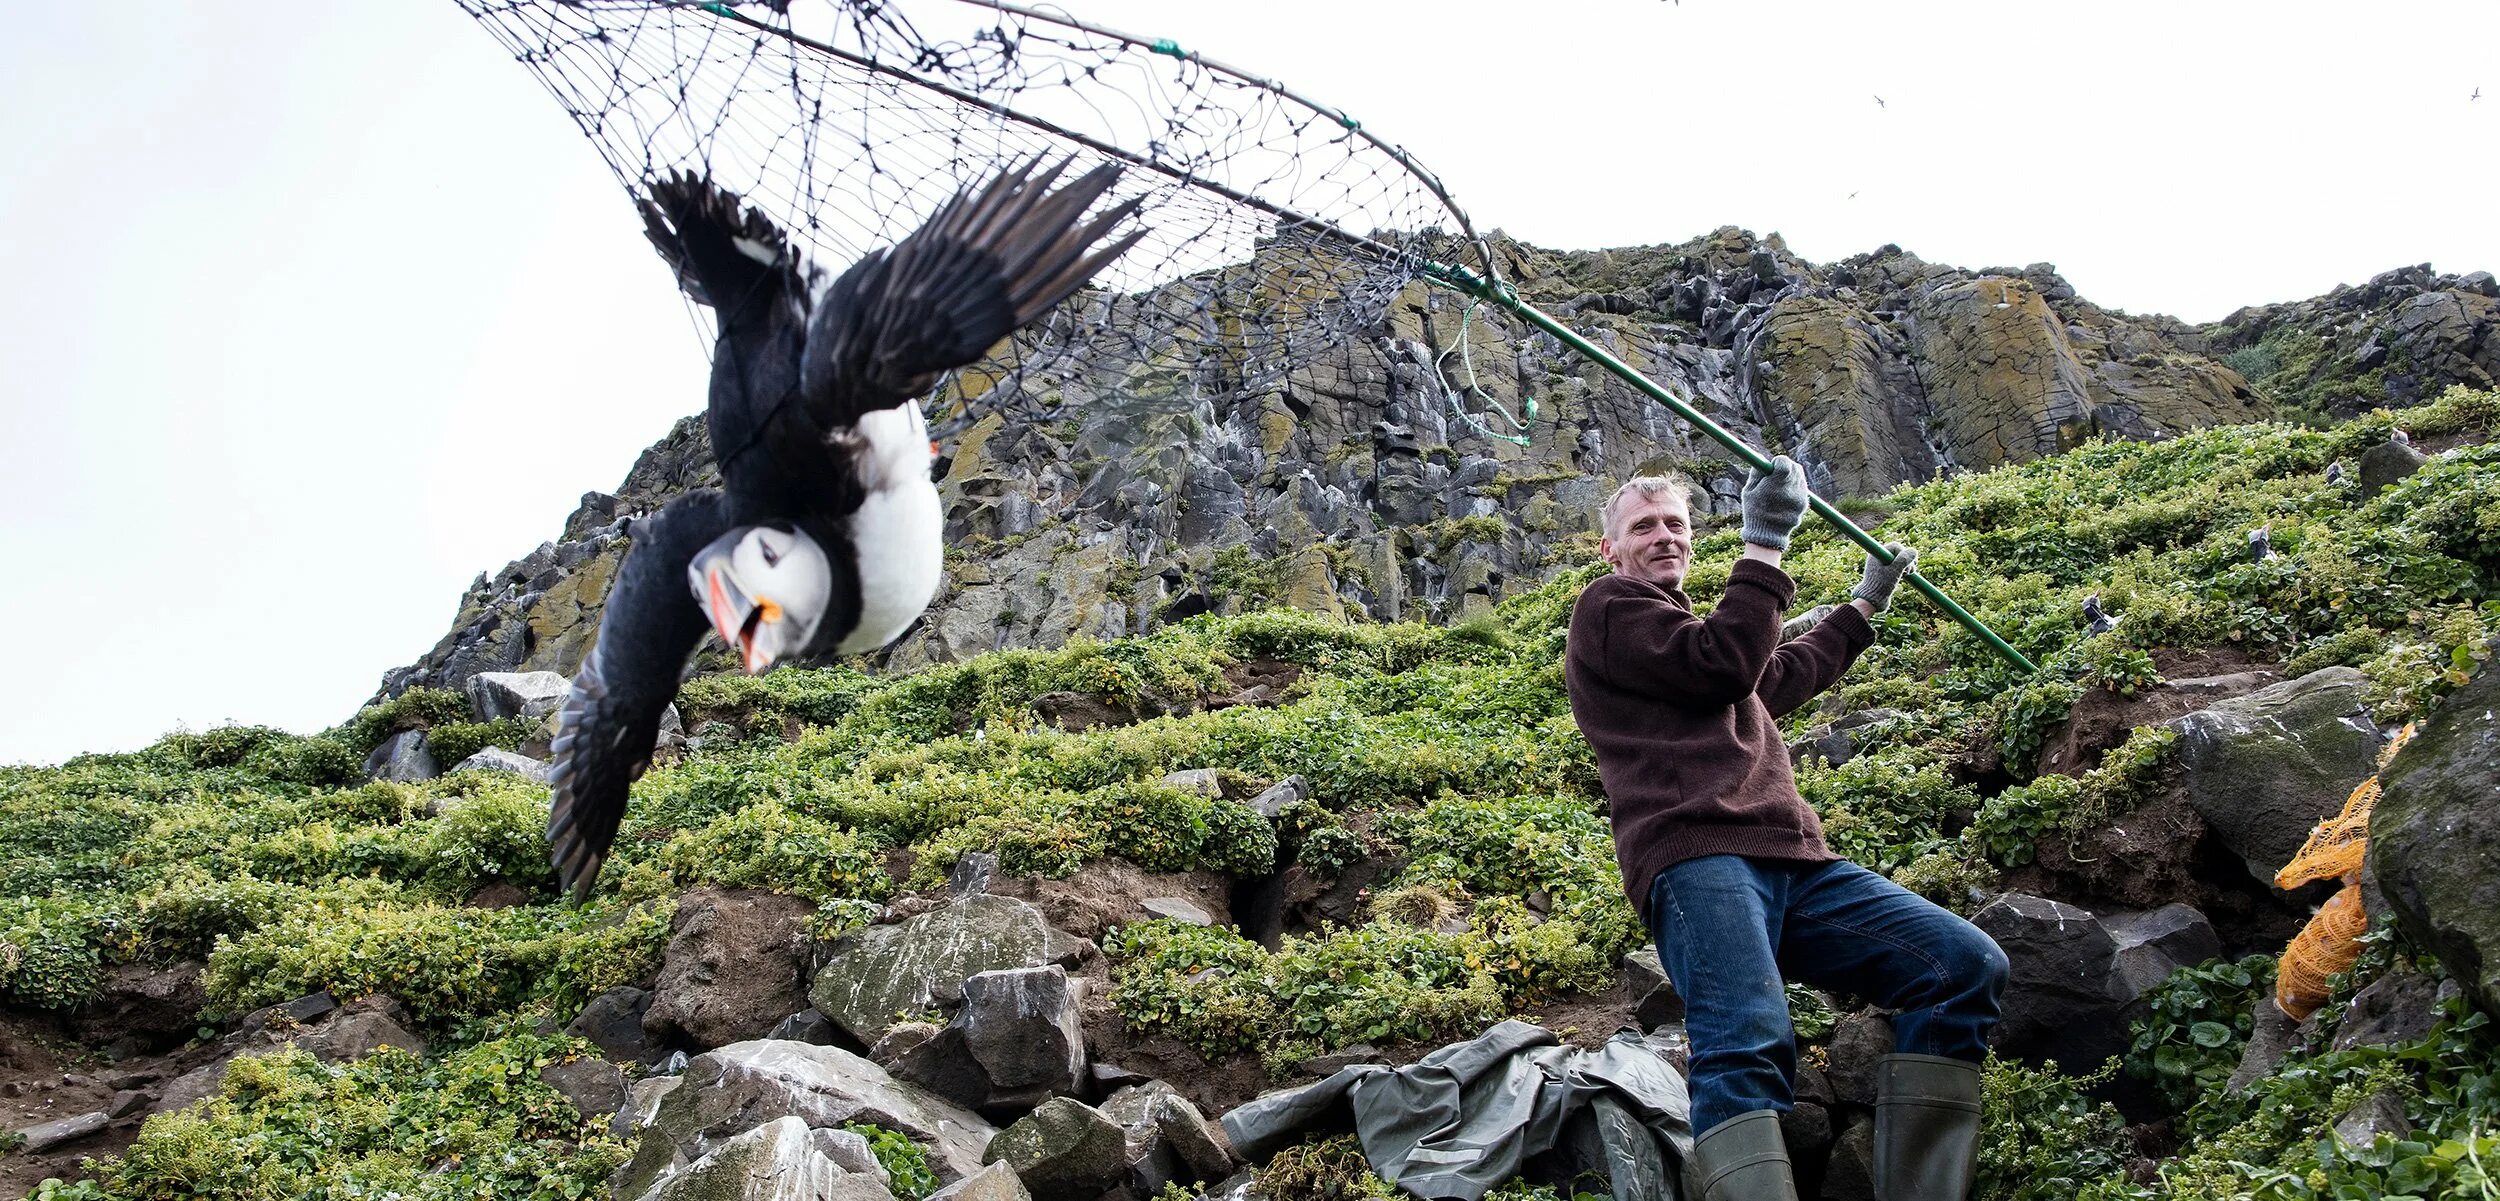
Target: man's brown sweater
(1680, 710)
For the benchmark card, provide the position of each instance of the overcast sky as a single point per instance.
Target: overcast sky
(309, 313)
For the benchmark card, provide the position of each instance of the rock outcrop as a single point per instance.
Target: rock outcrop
(2435, 833)
(1356, 482)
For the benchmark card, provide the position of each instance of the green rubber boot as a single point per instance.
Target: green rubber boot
(1742, 1159)
(1926, 1128)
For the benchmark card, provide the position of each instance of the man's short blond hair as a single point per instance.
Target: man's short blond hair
(1647, 487)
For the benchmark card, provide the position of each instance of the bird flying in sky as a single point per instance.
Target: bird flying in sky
(824, 537)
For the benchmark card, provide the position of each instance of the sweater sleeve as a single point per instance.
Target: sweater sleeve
(1804, 666)
(1654, 647)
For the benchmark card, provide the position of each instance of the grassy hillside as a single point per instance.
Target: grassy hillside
(1451, 749)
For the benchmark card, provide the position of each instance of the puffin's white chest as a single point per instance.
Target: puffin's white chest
(896, 535)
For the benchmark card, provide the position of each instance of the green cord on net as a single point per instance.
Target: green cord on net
(1467, 359)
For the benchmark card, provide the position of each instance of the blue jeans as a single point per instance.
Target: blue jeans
(1732, 930)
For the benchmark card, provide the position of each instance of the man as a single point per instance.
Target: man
(1727, 864)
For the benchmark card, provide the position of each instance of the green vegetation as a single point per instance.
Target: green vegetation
(1449, 751)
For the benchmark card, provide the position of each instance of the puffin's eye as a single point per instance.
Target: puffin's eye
(771, 557)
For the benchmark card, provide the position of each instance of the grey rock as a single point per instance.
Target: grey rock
(365, 1026)
(1169, 1141)
(2435, 833)
(2264, 768)
(1018, 1040)
(1655, 1002)
(2062, 999)
(642, 1103)
(403, 757)
(44, 1137)
(972, 873)
(302, 1010)
(921, 963)
(2157, 942)
(2382, 1113)
(744, 1085)
(2384, 465)
(2393, 1010)
(900, 1039)
(1849, 1175)
(612, 1021)
(594, 1086)
(1065, 1150)
(495, 758)
(192, 1087)
(1177, 909)
(495, 695)
(994, 1182)
(1284, 792)
(775, 1161)
(734, 959)
(129, 1101)
(1858, 1041)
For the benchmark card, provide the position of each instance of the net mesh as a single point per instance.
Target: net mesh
(1276, 228)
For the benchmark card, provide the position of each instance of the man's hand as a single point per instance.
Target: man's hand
(1775, 501)
(1876, 585)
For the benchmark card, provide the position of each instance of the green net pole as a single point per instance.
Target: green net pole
(1474, 285)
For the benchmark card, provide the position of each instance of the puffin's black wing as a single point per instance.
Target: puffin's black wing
(609, 721)
(736, 260)
(988, 263)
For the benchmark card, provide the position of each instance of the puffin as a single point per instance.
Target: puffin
(824, 537)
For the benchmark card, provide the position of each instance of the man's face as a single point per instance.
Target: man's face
(1652, 539)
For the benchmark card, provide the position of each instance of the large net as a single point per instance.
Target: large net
(1277, 228)
(2331, 942)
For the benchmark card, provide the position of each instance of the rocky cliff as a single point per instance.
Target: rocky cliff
(1365, 482)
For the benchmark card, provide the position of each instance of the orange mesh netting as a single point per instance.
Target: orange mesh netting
(2331, 941)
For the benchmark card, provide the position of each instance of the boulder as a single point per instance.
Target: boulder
(642, 1104)
(781, 1160)
(2264, 768)
(2393, 1010)
(1179, 909)
(1654, 999)
(735, 960)
(1849, 1174)
(920, 964)
(403, 757)
(1169, 1140)
(495, 695)
(366, 1025)
(594, 1086)
(1064, 1151)
(996, 1182)
(2157, 942)
(1018, 1040)
(495, 758)
(612, 1021)
(2383, 1112)
(2062, 998)
(2385, 464)
(739, 1087)
(2436, 832)
(899, 1039)
(1290, 790)
(1859, 1040)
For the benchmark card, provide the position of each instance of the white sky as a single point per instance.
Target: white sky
(309, 313)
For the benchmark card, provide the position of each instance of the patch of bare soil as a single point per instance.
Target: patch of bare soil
(46, 1076)
(1109, 892)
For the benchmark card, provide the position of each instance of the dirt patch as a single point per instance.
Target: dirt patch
(1110, 892)
(2102, 719)
(45, 1076)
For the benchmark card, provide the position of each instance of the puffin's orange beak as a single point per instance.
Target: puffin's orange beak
(733, 617)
